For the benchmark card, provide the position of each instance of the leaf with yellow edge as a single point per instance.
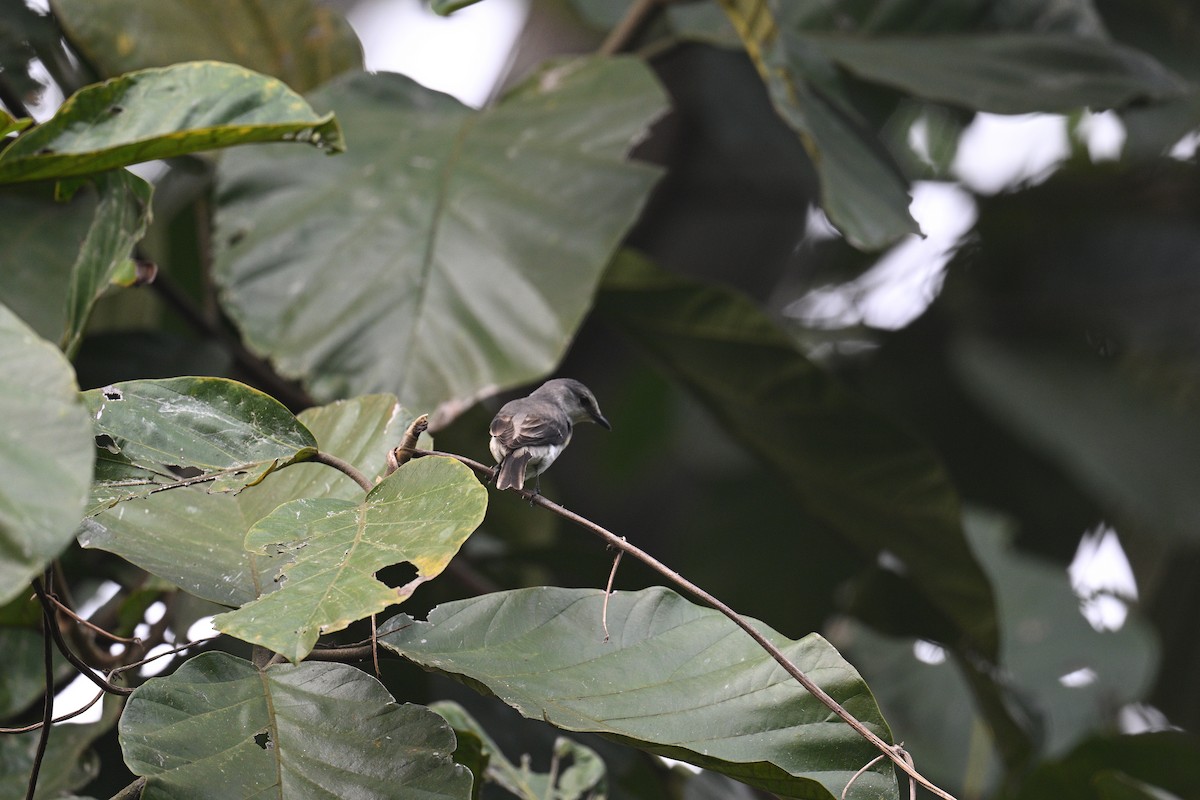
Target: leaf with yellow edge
(422, 513)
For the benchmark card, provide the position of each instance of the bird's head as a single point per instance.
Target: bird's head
(578, 400)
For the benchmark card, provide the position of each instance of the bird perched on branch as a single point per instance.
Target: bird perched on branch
(529, 433)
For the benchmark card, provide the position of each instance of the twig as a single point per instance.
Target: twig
(56, 720)
(346, 467)
(855, 776)
(132, 791)
(77, 662)
(895, 753)
(399, 456)
(375, 648)
(608, 590)
(634, 18)
(48, 622)
(63, 607)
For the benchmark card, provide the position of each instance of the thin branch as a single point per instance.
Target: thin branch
(132, 791)
(329, 459)
(857, 775)
(627, 28)
(48, 622)
(608, 590)
(76, 661)
(893, 752)
(63, 607)
(35, 726)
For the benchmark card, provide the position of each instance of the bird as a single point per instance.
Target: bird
(529, 433)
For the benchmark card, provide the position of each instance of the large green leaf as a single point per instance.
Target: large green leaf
(862, 189)
(46, 454)
(164, 112)
(453, 250)
(1007, 73)
(218, 727)
(878, 487)
(420, 514)
(676, 679)
(1068, 676)
(121, 219)
(163, 434)
(39, 243)
(299, 42)
(196, 539)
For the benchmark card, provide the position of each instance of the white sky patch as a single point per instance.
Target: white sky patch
(902, 284)
(201, 629)
(103, 594)
(463, 54)
(1102, 578)
(1103, 133)
(1000, 152)
(78, 693)
(1142, 718)
(928, 653)
(1079, 678)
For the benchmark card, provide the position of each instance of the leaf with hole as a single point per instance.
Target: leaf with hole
(196, 539)
(161, 113)
(420, 514)
(219, 727)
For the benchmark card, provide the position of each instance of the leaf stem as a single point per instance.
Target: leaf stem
(634, 18)
(893, 752)
(330, 460)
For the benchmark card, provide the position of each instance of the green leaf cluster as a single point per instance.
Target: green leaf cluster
(214, 338)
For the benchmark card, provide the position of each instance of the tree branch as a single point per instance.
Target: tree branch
(893, 752)
(77, 662)
(48, 622)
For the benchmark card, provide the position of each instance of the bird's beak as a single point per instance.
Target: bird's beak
(600, 420)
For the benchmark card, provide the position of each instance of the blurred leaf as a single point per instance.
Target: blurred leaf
(862, 190)
(160, 113)
(162, 434)
(122, 217)
(447, 7)
(577, 772)
(1006, 73)
(1138, 453)
(39, 242)
(876, 486)
(675, 679)
(196, 540)
(69, 763)
(23, 31)
(46, 455)
(420, 514)
(1167, 760)
(10, 125)
(468, 243)
(301, 43)
(1061, 677)
(218, 727)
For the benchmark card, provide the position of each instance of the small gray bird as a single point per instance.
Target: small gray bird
(529, 433)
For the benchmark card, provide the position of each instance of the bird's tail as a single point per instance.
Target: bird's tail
(512, 470)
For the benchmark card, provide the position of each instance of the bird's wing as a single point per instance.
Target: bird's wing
(525, 429)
